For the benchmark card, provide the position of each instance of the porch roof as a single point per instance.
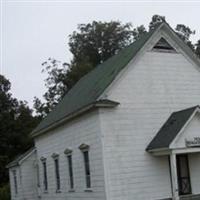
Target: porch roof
(170, 129)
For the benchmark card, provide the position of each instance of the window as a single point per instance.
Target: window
(85, 150)
(183, 174)
(87, 168)
(68, 153)
(70, 167)
(57, 172)
(15, 181)
(45, 181)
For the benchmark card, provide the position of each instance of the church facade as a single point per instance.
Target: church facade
(127, 130)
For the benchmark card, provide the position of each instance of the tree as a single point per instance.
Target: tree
(97, 41)
(197, 48)
(138, 32)
(155, 21)
(184, 32)
(16, 122)
(56, 83)
(91, 44)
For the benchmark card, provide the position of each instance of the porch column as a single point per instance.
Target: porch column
(174, 176)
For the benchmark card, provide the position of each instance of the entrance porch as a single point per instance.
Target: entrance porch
(179, 139)
(185, 174)
(184, 168)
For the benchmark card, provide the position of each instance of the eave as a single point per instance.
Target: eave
(103, 103)
(19, 159)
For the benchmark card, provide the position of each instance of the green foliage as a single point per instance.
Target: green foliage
(16, 122)
(155, 21)
(184, 32)
(97, 41)
(5, 192)
(197, 48)
(56, 83)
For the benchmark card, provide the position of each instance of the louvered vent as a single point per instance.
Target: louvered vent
(163, 45)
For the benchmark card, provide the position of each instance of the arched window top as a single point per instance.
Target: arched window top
(84, 147)
(55, 155)
(43, 159)
(67, 151)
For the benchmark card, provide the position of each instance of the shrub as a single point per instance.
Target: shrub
(5, 192)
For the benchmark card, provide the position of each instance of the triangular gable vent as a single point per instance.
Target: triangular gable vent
(163, 45)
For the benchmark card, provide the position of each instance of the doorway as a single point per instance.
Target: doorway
(184, 183)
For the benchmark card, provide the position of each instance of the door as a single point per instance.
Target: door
(183, 174)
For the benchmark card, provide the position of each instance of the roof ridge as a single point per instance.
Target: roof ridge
(107, 60)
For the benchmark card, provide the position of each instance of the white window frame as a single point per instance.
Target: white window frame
(14, 172)
(45, 175)
(88, 181)
(68, 153)
(57, 172)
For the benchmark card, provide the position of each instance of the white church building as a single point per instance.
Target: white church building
(128, 130)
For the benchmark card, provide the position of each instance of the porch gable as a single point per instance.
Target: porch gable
(181, 130)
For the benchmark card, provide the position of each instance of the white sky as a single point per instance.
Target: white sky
(33, 31)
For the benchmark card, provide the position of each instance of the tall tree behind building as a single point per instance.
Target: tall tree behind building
(197, 48)
(16, 123)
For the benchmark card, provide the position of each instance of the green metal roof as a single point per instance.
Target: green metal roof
(92, 85)
(170, 129)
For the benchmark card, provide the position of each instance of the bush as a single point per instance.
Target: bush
(5, 192)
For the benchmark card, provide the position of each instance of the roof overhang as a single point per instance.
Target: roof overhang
(21, 158)
(102, 103)
(168, 151)
(160, 151)
(162, 143)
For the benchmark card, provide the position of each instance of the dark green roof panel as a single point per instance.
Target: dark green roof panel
(92, 85)
(170, 129)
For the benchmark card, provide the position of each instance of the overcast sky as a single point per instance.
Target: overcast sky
(33, 31)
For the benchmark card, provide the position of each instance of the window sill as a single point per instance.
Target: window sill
(71, 190)
(88, 190)
(45, 192)
(58, 191)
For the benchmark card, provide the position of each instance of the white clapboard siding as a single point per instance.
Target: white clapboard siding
(149, 89)
(194, 161)
(148, 92)
(29, 178)
(26, 179)
(85, 129)
(15, 196)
